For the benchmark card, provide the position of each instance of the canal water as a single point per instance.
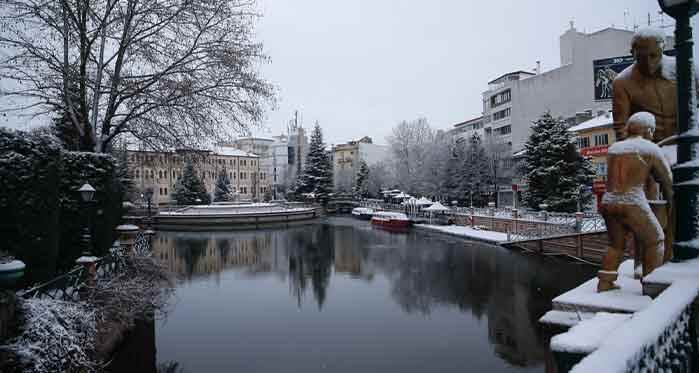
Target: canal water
(337, 295)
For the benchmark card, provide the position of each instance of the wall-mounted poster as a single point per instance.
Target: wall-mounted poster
(605, 71)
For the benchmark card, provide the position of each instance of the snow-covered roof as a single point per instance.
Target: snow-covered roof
(436, 207)
(424, 201)
(604, 120)
(255, 138)
(233, 152)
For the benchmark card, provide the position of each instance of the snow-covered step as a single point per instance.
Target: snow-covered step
(585, 298)
(665, 275)
(571, 347)
(564, 319)
(588, 335)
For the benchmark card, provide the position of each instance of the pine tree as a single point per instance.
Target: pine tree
(190, 189)
(361, 184)
(553, 167)
(475, 173)
(222, 190)
(316, 176)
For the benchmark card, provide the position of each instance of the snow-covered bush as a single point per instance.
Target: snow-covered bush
(56, 336)
(29, 172)
(41, 208)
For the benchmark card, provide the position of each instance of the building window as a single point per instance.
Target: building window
(583, 142)
(500, 98)
(504, 130)
(138, 174)
(152, 174)
(502, 114)
(602, 139)
(601, 169)
(165, 191)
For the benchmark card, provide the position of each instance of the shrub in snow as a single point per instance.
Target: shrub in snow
(553, 167)
(190, 189)
(42, 215)
(56, 336)
(30, 168)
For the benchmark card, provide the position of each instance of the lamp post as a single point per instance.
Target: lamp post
(686, 172)
(87, 194)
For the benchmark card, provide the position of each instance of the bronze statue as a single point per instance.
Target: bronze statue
(631, 164)
(647, 85)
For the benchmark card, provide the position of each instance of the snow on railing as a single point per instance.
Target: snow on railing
(67, 286)
(656, 339)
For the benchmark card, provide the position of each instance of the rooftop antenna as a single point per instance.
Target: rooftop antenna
(648, 19)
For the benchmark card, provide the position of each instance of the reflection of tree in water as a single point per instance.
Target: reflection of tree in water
(511, 289)
(311, 256)
(191, 249)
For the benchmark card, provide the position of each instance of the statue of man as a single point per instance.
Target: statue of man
(631, 164)
(647, 85)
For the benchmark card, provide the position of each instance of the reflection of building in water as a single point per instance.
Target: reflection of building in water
(351, 255)
(190, 254)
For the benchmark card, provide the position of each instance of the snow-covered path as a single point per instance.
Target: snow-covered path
(467, 232)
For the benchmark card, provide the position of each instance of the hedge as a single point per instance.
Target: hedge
(41, 210)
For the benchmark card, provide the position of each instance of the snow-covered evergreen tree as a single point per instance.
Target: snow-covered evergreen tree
(222, 191)
(317, 174)
(475, 173)
(190, 189)
(553, 167)
(361, 184)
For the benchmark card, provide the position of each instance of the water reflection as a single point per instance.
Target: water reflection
(430, 276)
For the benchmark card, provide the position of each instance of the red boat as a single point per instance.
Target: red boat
(392, 220)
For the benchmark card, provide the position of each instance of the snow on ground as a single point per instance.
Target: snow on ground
(589, 334)
(467, 232)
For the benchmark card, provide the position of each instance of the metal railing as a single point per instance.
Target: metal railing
(546, 224)
(67, 286)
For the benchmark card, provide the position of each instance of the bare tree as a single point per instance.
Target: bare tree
(164, 71)
(409, 142)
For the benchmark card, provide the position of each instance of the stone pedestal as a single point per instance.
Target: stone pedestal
(127, 237)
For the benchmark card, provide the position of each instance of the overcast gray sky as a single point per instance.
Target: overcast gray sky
(361, 66)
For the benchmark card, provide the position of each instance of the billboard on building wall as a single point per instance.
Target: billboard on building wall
(605, 70)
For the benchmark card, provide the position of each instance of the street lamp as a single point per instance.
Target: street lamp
(87, 194)
(685, 173)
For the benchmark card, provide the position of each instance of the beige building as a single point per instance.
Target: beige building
(161, 170)
(593, 137)
(347, 158)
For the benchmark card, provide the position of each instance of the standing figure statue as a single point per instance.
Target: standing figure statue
(649, 85)
(633, 163)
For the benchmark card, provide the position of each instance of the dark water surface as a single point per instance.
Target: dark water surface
(339, 296)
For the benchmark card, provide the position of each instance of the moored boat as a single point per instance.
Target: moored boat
(363, 213)
(394, 220)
